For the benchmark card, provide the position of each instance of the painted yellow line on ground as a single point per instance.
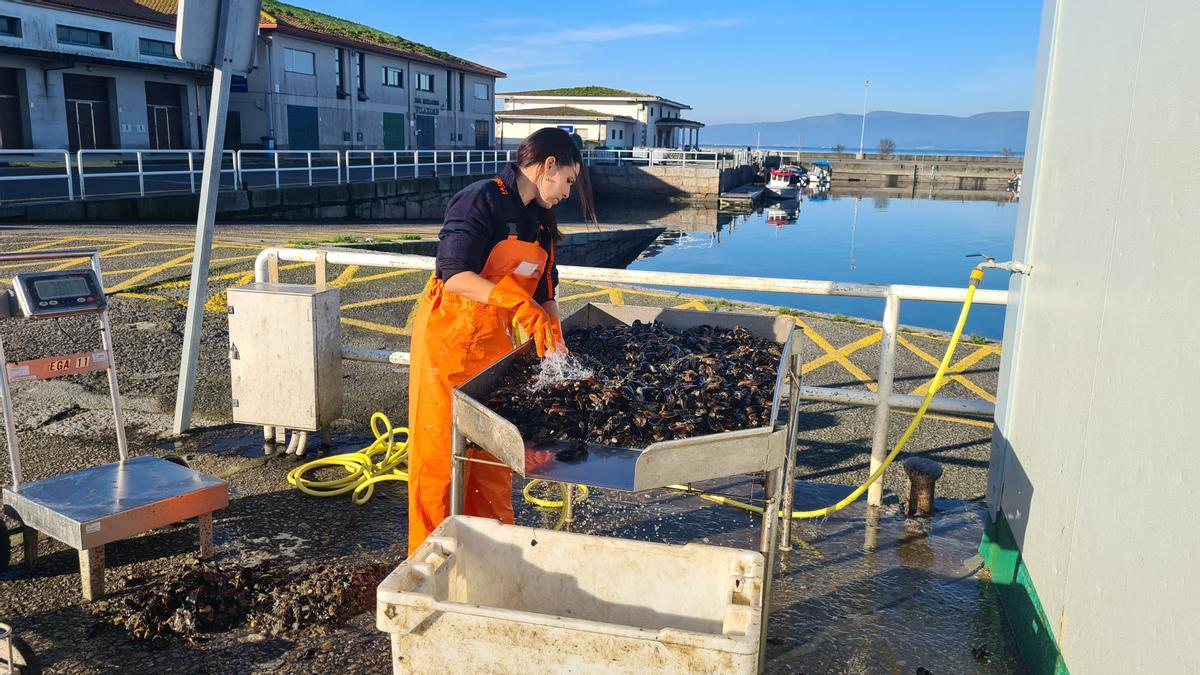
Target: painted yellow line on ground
(381, 275)
(924, 356)
(181, 261)
(43, 246)
(584, 296)
(956, 368)
(983, 424)
(694, 304)
(377, 327)
(837, 355)
(149, 296)
(107, 253)
(381, 301)
(345, 277)
(142, 276)
(841, 353)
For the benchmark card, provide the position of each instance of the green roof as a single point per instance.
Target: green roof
(280, 13)
(591, 90)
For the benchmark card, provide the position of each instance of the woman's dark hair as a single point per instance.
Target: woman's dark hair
(556, 143)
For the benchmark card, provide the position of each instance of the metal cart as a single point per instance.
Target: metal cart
(768, 450)
(91, 507)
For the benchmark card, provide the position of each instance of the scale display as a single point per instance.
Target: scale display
(53, 294)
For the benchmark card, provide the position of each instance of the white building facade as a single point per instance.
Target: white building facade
(85, 74)
(602, 117)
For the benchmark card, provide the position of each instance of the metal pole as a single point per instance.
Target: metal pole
(141, 176)
(70, 188)
(308, 157)
(205, 222)
(767, 547)
(887, 373)
(192, 171)
(863, 133)
(82, 188)
(10, 424)
(275, 154)
(458, 479)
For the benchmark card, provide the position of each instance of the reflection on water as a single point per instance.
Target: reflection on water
(877, 236)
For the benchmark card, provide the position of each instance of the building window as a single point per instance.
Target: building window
(462, 93)
(339, 71)
(360, 64)
(163, 50)
(10, 26)
(424, 82)
(299, 61)
(621, 134)
(482, 91)
(84, 37)
(393, 77)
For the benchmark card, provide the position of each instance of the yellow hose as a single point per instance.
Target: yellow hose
(362, 471)
(551, 503)
(976, 277)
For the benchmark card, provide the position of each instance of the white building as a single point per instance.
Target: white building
(103, 74)
(600, 115)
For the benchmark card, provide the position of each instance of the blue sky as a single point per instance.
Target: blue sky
(741, 62)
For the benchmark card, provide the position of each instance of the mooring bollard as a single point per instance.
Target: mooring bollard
(922, 474)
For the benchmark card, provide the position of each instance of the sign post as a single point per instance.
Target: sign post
(220, 33)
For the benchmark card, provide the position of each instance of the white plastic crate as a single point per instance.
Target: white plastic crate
(480, 596)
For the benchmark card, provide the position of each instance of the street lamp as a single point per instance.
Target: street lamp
(863, 134)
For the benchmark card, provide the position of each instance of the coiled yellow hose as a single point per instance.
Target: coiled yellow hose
(362, 471)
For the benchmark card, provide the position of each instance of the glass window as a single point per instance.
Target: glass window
(393, 77)
(339, 69)
(158, 48)
(360, 64)
(424, 82)
(84, 37)
(10, 25)
(299, 61)
(482, 91)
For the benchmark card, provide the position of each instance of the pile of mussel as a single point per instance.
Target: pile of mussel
(207, 597)
(650, 383)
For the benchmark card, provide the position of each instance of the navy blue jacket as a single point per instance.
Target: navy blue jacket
(481, 216)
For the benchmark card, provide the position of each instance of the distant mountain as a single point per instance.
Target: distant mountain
(910, 131)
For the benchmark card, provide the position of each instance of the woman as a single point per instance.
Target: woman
(495, 264)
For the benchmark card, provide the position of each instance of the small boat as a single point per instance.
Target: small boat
(784, 182)
(820, 176)
(783, 213)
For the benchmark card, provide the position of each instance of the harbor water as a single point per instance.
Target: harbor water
(863, 236)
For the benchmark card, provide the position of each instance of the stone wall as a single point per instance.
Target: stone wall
(675, 183)
(408, 198)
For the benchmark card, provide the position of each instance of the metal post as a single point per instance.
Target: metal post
(308, 158)
(887, 374)
(114, 390)
(70, 182)
(191, 171)
(337, 160)
(767, 547)
(82, 188)
(789, 463)
(395, 165)
(141, 176)
(372, 168)
(276, 155)
(863, 133)
(205, 223)
(10, 423)
(458, 469)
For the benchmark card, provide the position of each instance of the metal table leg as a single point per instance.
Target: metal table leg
(29, 542)
(768, 547)
(458, 478)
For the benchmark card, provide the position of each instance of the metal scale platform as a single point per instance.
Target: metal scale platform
(91, 507)
(682, 461)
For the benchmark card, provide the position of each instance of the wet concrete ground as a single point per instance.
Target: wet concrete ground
(911, 602)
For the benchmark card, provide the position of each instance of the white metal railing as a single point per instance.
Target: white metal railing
(16, 173)
(375, 165)
(883, 399)
(718, 159)
(142, 172)
(285, 164)
(165, 170)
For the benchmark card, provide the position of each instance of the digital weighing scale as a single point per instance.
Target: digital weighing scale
(91, 507)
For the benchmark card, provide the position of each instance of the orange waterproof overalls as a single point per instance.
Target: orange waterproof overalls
(453, 340)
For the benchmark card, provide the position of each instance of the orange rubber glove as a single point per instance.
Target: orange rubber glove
(560, 343)
(509, 295)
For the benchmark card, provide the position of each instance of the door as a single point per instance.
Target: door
(394, 131)
(11, 134)
(302, 128)
(233, 130)
(483, 135)
(89, 124)
(164, 116)
(426, 129)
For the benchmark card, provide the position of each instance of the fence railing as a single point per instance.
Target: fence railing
(883, 399)
(667, 157)
(142, 172)
(372, 165)
(37, 175)
(22, 168)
